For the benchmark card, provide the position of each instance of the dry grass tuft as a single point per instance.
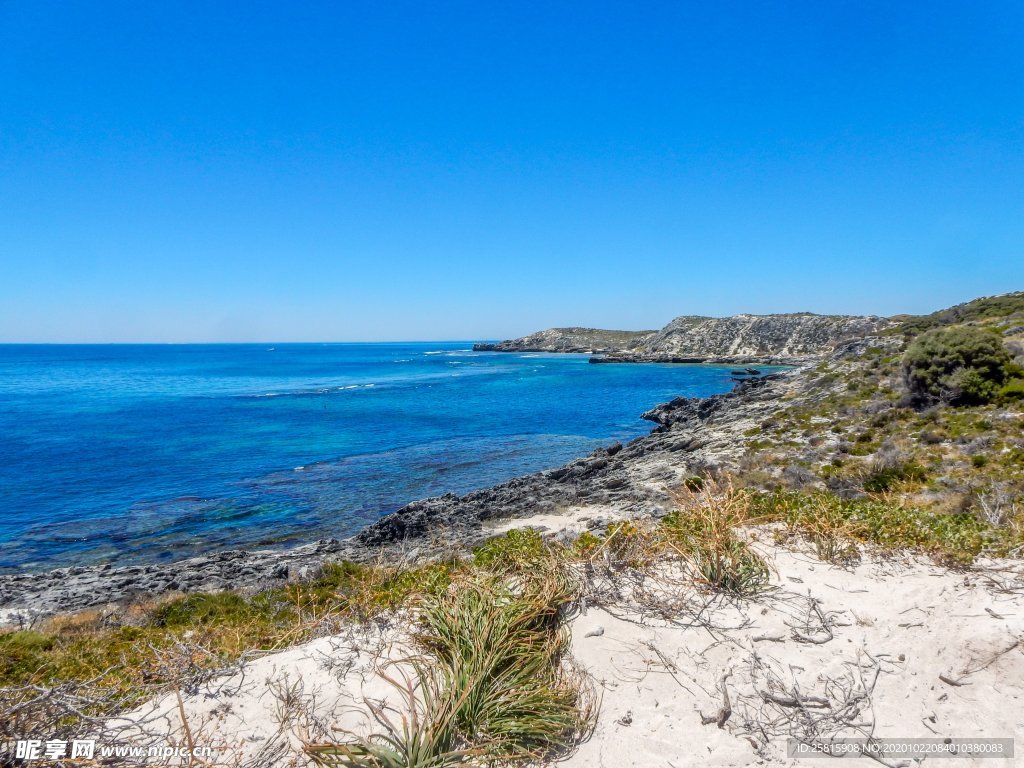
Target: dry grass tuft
(493, 682)
(705, 532)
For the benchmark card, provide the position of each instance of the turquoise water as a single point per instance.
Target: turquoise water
(146, 453)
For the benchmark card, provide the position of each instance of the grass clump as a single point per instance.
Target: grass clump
(517, 549)
(731, 566)
(424, 737)
(493, 683)
(501, 648)
(704, 531)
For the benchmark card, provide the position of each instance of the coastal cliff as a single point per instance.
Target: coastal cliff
(784, 338)
(586, 340)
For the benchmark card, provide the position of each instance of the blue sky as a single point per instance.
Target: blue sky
(205, 171)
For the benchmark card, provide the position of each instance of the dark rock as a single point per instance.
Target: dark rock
(279, 571)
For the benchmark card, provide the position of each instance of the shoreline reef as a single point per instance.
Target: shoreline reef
(618, 480)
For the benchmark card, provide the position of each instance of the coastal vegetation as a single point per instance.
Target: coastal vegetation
(933, 430)
(1008, 307)
(570, 340)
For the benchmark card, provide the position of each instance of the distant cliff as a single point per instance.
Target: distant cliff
(588, 340)
(741, 338)
(799, 335)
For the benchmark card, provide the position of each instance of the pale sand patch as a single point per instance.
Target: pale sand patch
(895, 627)
(571, 520)
(267, 710)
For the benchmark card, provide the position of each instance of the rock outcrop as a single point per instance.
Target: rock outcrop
(787, 338)
(587, 340)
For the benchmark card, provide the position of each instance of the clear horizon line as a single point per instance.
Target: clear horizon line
(232, 343)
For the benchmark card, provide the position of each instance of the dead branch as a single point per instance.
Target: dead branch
(725, 712)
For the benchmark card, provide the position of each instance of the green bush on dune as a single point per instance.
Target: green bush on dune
(961, 365)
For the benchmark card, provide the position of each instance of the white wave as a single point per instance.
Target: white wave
(308, 392)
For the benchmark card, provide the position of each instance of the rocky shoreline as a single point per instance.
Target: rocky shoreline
(691, 435)
(629, 357)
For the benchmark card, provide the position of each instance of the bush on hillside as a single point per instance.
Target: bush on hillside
(961, 365)
(985, 308)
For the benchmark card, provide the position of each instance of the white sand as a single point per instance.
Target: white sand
(572, 521)
(895, 628)
(916, 621)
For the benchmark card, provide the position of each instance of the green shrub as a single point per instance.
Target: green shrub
(1012, 390)
(586, 544)
(962, 365)
(21, 652)
(205, 608)
(694, 483)
(883, 478)
(519, 548)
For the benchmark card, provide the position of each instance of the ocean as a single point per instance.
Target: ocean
(146, 453)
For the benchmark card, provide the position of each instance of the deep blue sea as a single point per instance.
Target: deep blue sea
(143, 453)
